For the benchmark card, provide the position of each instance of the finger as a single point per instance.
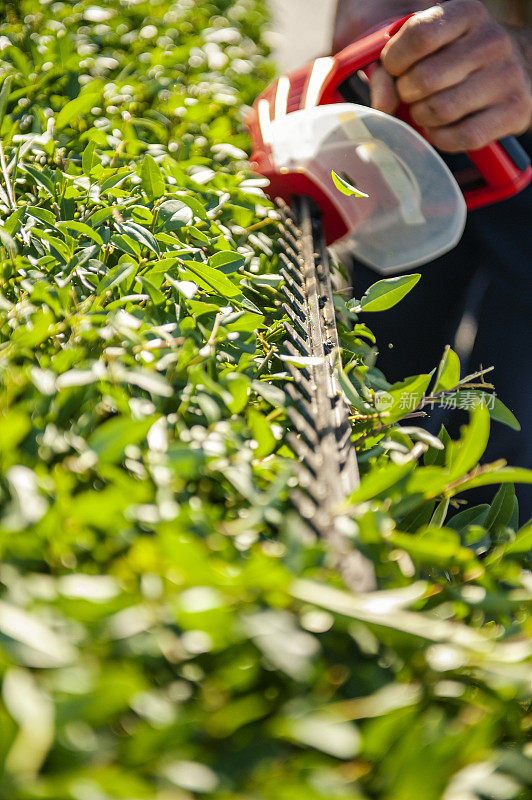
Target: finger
(384, 95)
(510, 117)
(428, 31)
(455, 63)
(481, 90)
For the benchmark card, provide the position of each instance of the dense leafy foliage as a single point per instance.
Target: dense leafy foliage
(168, 626)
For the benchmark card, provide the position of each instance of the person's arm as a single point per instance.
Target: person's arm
(465, 78)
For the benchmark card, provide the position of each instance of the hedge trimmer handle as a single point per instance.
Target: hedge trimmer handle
(360, 55)
(494, 173)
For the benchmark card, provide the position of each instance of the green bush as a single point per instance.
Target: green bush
(169, 627)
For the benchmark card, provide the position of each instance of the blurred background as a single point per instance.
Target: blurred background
(302, 30)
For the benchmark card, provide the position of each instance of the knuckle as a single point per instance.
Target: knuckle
(390, 63)
(442, 109)
(513, 73)
(423, 34)
(471, 135)
(443, 139)
(407, 90)
(496, 40)
(425, 78)
(521, 107)
(476, 9)
(420, 114)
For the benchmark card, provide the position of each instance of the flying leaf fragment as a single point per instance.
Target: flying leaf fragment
(345, 187)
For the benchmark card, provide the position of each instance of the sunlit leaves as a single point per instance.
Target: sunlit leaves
(448, 375)
(4, 95)
(174, 214)
(464, 454)
(90, 159)
(110, 440)
(78, 107)
(385, 294)
(150, 641)
(210, 279)
(152, 178)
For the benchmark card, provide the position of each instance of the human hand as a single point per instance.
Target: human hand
(461, 75)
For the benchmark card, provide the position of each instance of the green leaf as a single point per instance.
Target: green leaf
(152, 178)
(406, 396)
(497, 476)
(211, 279)
(337, 738)
(238, 386)
(14, 426)
(522, 542)
(12, 223)
(156, 296)
(4, 96)
(174, 214)
(440, 514)
(81, 227)
(114, 180)
(471, 516)
(126, 244)
(351, 394)
(345, 187)
(40, 178)
(115, 276)
(434, 456)
(467, 398)
(262, 433)
(501, 509)
(500, 413)
(433, 545)
(272, 394)
(385, 294)
(90, 159)
(8, 242)
(150, 381)
(428, 482)
(420, 516)
(385, 614)
(244, 321)
(463, 455)
(111, 438)
(43, 215)
(227, 262)
(102, 215)
(198, 235)
(58, 245)
(139, 234)
(77, 108)
(380, 481)
(448, 375)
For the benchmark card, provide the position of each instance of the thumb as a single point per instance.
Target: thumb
(384, 95)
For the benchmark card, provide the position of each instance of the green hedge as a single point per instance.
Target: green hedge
(168, 626)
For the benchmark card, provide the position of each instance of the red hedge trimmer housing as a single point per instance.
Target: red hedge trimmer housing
(381, 155)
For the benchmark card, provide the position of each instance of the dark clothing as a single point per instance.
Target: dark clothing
(489, 275)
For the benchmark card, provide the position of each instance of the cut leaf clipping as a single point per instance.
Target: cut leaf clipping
(345, 187)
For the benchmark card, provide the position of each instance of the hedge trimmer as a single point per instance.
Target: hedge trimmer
(315, 138)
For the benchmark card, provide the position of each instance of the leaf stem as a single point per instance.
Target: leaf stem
(5, 173)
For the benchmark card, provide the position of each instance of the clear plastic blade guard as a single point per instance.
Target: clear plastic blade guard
(415, 211)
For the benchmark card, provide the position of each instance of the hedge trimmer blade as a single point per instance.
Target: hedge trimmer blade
(321, 433)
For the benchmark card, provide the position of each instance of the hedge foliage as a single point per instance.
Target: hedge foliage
(168, 626)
